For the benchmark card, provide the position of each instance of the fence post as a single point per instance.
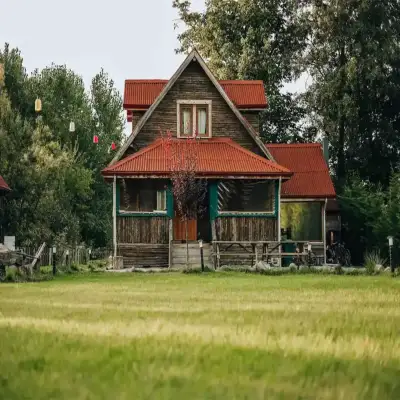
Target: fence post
(54, 250)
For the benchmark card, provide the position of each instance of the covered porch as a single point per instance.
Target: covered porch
(241, 203)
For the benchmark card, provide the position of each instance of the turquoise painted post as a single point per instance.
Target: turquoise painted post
(277, 199)
(213, 188)
(170, 201)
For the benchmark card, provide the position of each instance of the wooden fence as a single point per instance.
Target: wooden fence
(67, 255)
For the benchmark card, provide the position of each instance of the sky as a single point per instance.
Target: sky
(130, 39)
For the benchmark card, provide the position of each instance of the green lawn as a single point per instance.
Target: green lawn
(217, 336)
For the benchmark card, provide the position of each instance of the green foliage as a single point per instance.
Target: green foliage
(57, 189)
(354, 64)
(254, 40)
(373, 259)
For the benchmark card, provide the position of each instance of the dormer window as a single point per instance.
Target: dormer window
(194, 118)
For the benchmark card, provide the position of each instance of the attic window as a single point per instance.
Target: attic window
(194, 118)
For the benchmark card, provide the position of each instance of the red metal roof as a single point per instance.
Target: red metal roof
(3, 185)
(214, 157)
(141, 93)
(311, 178)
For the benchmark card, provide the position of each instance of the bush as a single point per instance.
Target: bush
(373, 261)
(197, 270)
(293, 268)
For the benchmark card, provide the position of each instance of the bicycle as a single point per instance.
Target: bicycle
(338, 254)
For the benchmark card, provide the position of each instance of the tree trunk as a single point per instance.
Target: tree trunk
(341, 167)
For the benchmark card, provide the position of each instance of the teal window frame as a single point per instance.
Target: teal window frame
(215, 213)
(169, 213)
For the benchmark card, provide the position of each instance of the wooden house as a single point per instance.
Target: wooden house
(246, 179)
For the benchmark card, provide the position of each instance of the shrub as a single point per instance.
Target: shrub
(293, 268)
(372, 261)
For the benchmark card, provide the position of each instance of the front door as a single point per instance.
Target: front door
(180, 228)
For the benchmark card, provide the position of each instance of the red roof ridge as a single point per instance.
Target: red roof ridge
(293, 144)
(146, 80)
(241, 81)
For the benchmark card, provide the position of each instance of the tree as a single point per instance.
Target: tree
(72, 199)
(257, 39)
(188, 190)
(354, 61)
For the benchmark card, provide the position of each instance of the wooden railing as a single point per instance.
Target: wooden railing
(260, 250)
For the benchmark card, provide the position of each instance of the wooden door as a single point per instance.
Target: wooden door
(180, 228)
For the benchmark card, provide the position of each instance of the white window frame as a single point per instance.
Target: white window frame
(194, 104)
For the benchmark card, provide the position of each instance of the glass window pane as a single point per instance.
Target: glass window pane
(142, 196)
(304, 219)
(246, 196)
(161, 200)
(201, 120)
(186, 120)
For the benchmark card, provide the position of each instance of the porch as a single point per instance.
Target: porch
(150, 232)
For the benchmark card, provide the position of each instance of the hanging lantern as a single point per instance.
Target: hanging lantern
(72, 126)
(95, 139)
(38, 105)
(113, 146)
(1, 73)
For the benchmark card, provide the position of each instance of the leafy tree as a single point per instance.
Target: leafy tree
(253, 39)
(55, 174)
(188, 190)
(354, 61)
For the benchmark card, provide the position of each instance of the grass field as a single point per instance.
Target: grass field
(217, 336)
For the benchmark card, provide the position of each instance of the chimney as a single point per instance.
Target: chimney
(325, 148)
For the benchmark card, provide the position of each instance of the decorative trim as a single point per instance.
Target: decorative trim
(142, 214)
(194, 103)
(302, 200)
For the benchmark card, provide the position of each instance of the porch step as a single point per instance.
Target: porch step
(179, 255)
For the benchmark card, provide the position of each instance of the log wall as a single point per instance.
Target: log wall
(246, 228)
(144, 230)
(144, 255)
(143, 241)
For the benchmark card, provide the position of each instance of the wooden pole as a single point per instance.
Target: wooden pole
(115, 216)
(279, 218)
(171, 238)
(324, 228)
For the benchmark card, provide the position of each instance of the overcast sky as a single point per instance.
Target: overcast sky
(128, 38)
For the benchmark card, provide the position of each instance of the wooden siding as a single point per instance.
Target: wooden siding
(146, 230)
(194, 84)
(144, 255)
(254, 118)
(136, 117)
(246, 229)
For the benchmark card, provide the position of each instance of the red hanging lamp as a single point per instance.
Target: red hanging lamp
(113, 146)
(95, 139)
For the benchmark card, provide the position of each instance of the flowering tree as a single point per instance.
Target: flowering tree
(188, 190)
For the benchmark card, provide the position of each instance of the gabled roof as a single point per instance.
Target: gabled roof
(3, 185)
(214, 157)
(193, 56)
(141, 93)
(311, 178)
